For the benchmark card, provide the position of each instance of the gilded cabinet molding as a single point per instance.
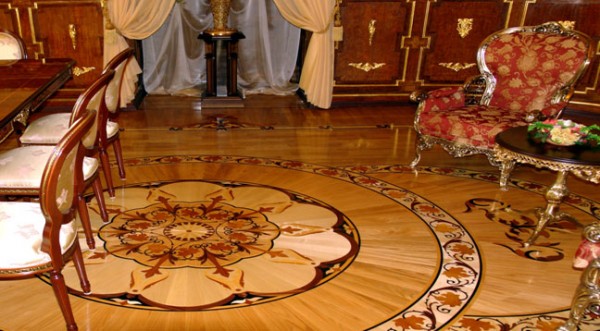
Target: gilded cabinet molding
(464, 26)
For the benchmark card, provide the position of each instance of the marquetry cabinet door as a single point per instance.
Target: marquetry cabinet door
(71, 29)
(369, 55)
(454, 30)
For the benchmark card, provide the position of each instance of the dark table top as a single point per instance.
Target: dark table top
(517, 140)
(23, 83)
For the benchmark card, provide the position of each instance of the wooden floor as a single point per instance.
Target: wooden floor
(377, 141)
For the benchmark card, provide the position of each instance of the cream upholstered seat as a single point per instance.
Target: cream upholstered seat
(47, 130)
(12, 46)
(527, 73)
(41, 237)
(21, 168)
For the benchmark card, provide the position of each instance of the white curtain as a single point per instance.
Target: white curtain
(317, 74)
(134, 19)
(174, 56)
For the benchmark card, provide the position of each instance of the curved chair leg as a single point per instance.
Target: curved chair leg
(60, 291)
(119, 156)
(97, 186)
(84, 216)
(106, 170)
(80, 268)
(420, 145)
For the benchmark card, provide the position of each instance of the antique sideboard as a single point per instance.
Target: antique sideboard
(384, 49)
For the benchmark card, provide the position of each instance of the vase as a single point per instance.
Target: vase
(220, 13)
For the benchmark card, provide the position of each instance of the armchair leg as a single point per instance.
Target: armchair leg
(421, 144)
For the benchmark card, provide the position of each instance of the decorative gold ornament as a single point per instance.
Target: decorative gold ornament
(73, 35)
(464, 26)
(77, 71)
(371, 31)
(457, 66)
(569, 25)
(366, 67)
(220, 13)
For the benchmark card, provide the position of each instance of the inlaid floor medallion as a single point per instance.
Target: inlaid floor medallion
(213, 234)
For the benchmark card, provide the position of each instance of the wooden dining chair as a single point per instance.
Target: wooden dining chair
(41, 237)
(12, 47)
(48, 129)
(21, 168)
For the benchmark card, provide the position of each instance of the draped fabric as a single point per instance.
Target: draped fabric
(317, 74)
(174, 56)
(134, 19)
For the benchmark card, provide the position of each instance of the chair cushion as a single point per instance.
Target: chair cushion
(23, 167)
(46, 130)
(21, 228)
(49, 129)
(10, 49)
(474, 125)
(112, 128)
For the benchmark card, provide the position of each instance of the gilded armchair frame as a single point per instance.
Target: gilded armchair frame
(479, 90)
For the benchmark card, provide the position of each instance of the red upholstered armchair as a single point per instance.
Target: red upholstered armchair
(527, 74)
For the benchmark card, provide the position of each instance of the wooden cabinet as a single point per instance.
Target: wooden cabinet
(60, 29)
(390, 48)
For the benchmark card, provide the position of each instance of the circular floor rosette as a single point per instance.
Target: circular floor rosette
(278, 238)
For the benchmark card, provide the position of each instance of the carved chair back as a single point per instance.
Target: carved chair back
(533, 67)
(12, 47)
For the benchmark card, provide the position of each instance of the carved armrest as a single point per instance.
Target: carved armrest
(474, 88)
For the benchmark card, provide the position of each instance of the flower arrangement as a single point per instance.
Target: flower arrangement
(564, 133)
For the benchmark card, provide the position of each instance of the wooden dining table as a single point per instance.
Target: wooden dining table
(25, 85)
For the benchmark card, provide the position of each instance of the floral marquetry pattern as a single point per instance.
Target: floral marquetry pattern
(222, 235)
(192, 234)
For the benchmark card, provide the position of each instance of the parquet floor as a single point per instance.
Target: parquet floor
(350, 238)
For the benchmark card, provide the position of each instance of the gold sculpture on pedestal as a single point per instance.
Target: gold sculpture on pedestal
(220, 12)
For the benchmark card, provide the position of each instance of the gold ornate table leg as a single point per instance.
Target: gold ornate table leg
(587, 297)
(506, 167)
(554, 197)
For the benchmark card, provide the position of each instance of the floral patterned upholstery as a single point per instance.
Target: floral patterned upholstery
(528, 73)
(11, 46)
